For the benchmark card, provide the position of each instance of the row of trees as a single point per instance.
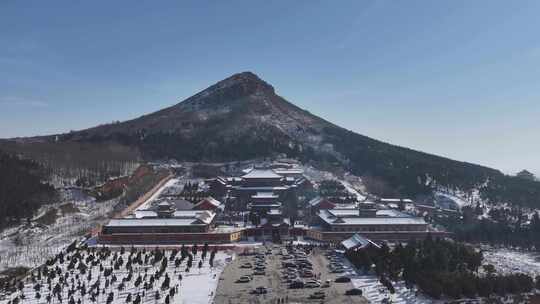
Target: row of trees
(334, 191)
(193, 193)
(102, 275)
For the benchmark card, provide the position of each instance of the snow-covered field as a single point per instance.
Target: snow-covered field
(375, 292)
(92, 275)
(508, 261)
(29, 245)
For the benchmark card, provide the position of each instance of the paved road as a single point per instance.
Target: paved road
(230, 292)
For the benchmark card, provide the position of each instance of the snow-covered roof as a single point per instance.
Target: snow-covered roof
(353, 212)
(274, 211)
(262, 173)
(357, 241)
(234, 179)
(265, 205)
(352, 217)
(144, 213)
(396, 200)
(190, 215)
(265, 195)
(152, 222)
(164, 204)
(289, 171)
(210, 200)
(345, 206)
(392, 213)
(316, 201)
(266, 222)
(262, 189)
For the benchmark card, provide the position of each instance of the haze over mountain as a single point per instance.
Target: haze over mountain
(242, 117)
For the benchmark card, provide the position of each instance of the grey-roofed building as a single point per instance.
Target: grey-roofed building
(335, 225)
(357, 242)
(353, 220)
(150, 221)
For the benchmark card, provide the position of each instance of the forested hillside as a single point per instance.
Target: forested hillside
(76, 163)
(21, 189)
(412, 172)
(242, 118)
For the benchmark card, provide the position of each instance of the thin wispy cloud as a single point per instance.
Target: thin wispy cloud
(22, 102)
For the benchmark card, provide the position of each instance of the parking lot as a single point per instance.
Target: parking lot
(268, 275)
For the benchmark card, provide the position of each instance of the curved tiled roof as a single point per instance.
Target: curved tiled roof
(261, 173)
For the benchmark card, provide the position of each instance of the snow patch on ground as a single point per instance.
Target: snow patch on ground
(508, 261)
(353, 191)
(30, 245)
(446, 200)
(375, 292)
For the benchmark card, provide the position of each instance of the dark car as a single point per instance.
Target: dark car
(317, 295)
(296, 285)
(289, 265)
(260, 290)
(354, 292)
(343, 280)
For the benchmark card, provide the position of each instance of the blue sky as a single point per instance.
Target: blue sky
(455, 78)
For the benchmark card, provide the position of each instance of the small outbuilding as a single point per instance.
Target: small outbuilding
(208, 203)
(358, 242)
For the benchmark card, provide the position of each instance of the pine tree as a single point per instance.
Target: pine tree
(110, 298)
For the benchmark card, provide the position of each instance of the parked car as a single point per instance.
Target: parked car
(259, 272)
(354, 292)
(246, 265)
(307, 274)
(338, 270)
(312, 285)
(306, 266)
(317, 295)
(342, 280)
(326, 284)
(296, 285)
(244, 279)
(289, 265)
(260, 290)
